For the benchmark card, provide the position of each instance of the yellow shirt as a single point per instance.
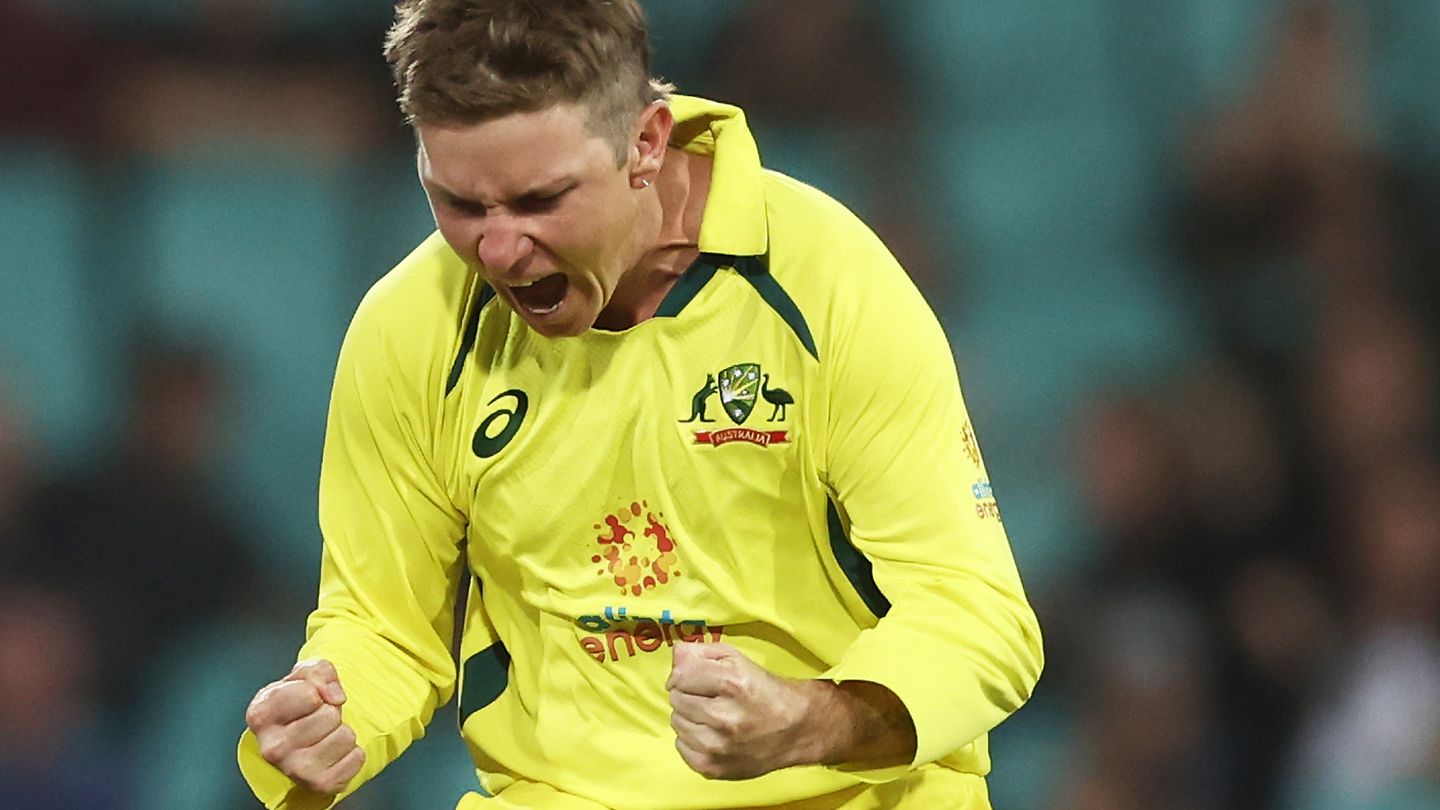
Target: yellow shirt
(780, 459)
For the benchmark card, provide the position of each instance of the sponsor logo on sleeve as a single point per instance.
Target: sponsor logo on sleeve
(985, 504)
(972, 447)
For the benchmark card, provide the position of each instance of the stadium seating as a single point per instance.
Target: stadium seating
(55, 353)
(249, 252)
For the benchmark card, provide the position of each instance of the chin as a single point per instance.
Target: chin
(559, 327)
(565, 330)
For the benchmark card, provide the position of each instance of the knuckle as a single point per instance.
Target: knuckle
(312, 669)
(257, 716)
(274, 749)
(328, 715)
(347, 736)
(729, 686)
(727, 724)
(710, 768)
(311, 699)
(309, 775)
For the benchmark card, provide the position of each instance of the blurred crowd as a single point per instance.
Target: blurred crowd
(1187, 251)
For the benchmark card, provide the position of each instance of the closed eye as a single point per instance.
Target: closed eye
(541, 203)
(469, 208)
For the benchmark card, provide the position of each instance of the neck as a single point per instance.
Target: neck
(679, 204)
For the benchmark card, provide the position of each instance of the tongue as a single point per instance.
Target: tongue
(543, 294)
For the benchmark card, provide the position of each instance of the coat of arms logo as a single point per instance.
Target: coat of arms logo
(739, 385)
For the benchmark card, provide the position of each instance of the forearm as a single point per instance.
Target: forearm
(855, 723)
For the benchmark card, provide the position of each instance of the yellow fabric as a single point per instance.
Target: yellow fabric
(529, 455)
(921, 789)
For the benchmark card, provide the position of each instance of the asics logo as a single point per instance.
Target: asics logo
(509, 419)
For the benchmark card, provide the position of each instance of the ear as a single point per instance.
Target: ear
(648, 146)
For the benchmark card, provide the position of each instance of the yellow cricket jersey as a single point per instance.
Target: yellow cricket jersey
(780, 460)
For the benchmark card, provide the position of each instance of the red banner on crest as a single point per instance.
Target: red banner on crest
(764, 438)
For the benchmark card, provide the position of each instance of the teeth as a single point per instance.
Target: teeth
(520, 285)
(547, 310)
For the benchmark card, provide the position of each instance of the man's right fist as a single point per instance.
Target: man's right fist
(296, 720)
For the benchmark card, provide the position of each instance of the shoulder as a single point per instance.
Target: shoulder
(431, 280)
(816, 242)
(413, 300)
(412, 317)
(830, 262)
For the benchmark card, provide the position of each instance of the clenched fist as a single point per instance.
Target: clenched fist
(297, 722)
(732, 718)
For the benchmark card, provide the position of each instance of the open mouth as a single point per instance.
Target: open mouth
(543, 295)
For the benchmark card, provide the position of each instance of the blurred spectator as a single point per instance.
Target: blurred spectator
(139, 540)
(1149, 736)
(1277, 628)
(1293, 208)
(233, 76)
(52, 755)
(1191, 507)
(829, 101)
(18, 482)
(1295, 225)
(1126, 638)
(53, 62)
(1129, 462)
(1377, 725)
(1371, 395)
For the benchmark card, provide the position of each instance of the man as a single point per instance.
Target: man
(674, 606)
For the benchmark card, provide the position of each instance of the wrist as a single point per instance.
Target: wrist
(852, 723)
(819, 730)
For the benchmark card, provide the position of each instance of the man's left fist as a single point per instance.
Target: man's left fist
(732, 718)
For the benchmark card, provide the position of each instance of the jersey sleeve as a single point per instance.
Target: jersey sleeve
(391, 559)
(959, 645)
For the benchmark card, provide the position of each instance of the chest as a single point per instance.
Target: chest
(626, 463)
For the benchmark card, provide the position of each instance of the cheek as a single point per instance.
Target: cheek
(462, 237)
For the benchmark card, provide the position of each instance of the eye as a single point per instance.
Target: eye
(468, 208)
(540, 203)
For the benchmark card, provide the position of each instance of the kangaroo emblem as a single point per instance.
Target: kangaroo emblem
(699, 401)
(778, 397)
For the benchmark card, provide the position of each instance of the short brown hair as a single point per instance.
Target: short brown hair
(471, 61)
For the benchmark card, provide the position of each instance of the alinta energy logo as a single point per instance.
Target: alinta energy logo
(634, 570)
(613, 633)
(739, 387)
(637, 566)
(985, 503)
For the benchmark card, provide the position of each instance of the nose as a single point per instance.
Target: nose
(502, 245)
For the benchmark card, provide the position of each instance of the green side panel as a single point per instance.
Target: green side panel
(855, 565)
(485, 675)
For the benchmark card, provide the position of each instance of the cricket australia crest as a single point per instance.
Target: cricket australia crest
(739, 385)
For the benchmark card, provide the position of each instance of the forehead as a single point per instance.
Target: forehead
(518, 150)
